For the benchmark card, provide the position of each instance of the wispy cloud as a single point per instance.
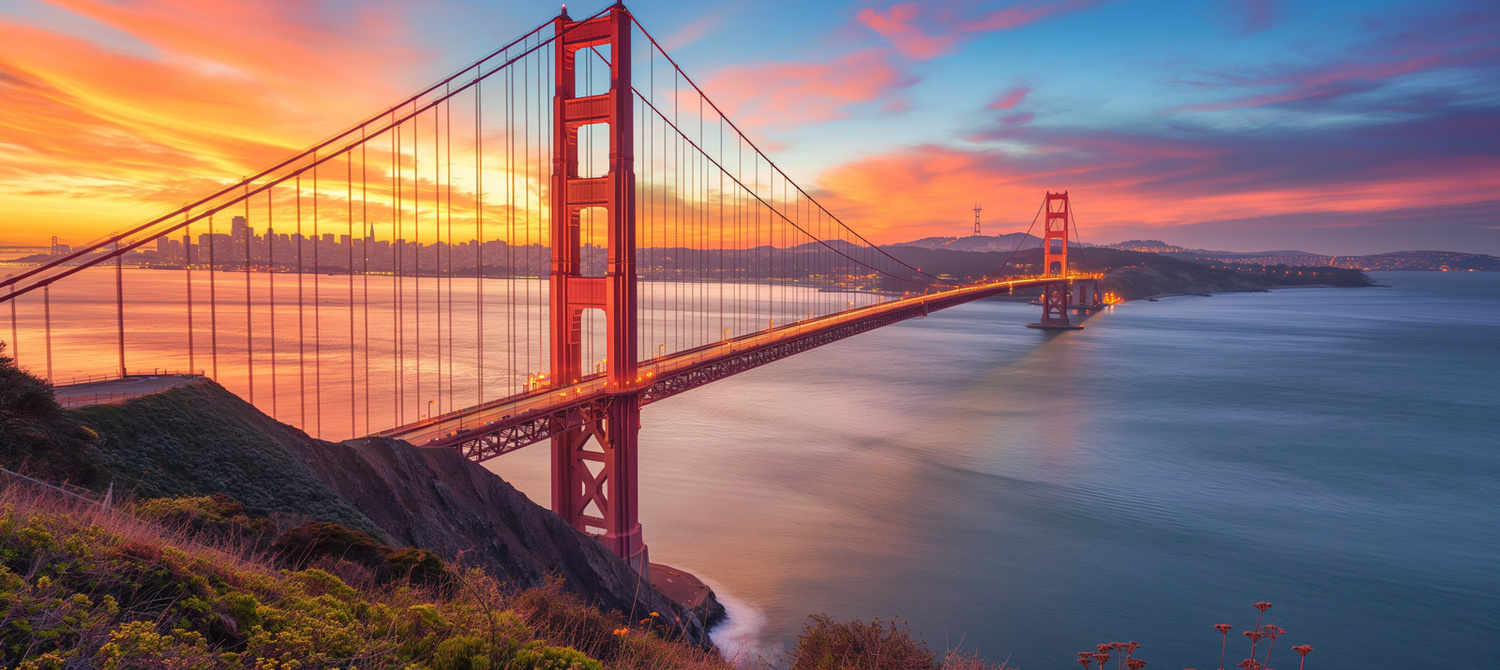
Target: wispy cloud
(929, 30)
(1468, 41)
(1010, 98)
(781, 95)
(1253, 16)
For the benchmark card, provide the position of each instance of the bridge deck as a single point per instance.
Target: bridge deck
(503, 425)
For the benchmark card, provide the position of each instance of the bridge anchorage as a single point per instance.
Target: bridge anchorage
(629, 243)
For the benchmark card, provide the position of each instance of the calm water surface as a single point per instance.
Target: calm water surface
(1028, 495)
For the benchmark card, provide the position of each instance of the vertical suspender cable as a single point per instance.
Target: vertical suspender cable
(478, 242)
(15, 349)
(271, 288)
(213, 303)
(353, 351)
(416, 246)
(187, 267)
(47, 324)
(317, 310)
(437, 249)
(510, 230)
(396, 337)
(249, 340)
(398, 284)
(367, 235)
(301, 326)
(448, 186)
(120, 302)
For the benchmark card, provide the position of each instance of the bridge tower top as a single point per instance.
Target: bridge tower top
(1055, 236)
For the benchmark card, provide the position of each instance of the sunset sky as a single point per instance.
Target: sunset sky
(1336, 127)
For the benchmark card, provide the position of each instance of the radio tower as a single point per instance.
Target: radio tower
(976, 219)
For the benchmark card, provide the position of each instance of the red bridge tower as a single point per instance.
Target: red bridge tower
(594, 486)
(1056, 297)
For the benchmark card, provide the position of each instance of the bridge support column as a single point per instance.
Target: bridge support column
(1056, 297)
(1055, 301)
(594, 483)
(594, 468)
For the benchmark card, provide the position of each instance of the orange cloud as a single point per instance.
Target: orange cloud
(95, 137)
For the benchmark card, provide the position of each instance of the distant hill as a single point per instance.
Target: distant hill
(1130, 275)
(1450, 261)
(981, 243)
(1147, 246)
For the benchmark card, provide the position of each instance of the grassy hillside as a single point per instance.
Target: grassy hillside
(86, 587)
(201, 441)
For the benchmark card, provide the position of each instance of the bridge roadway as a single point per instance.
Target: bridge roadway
(500, 426)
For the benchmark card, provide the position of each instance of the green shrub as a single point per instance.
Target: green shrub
(462, 653)
(417, 566)
(826, 644)
(36, 439)
(137, 644)
(537, 656)
(320, 539)
(214, 518)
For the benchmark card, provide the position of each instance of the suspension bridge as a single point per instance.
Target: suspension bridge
(529, 250)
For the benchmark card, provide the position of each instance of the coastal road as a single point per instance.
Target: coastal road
(117, 390)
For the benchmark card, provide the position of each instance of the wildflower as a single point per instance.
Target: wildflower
(1272, 631)
(655, 614)
(622, 632)
(1262, 606)
(1224, 629)
(1302, 650)
(1135, 664)
(1083, 659)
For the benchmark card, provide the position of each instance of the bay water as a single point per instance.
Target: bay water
(1028, 495)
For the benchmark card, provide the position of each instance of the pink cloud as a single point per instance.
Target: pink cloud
(1465, 43)
(896, 25)
(1257, 15)
(1021, 14)
(927, 31)
(781, 95)
(1009, 99)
